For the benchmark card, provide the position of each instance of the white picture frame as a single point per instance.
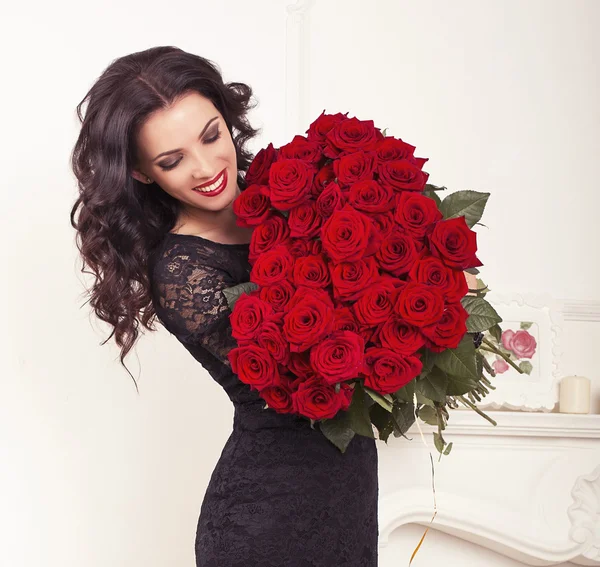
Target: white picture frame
(537, 391)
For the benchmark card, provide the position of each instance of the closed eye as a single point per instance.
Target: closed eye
(211, 140)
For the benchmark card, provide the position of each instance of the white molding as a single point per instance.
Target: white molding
(513, 424)
(516, 488)
(584, 514)
(297, 72)
(581, 310)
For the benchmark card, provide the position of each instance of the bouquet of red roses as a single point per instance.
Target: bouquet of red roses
(358, 312)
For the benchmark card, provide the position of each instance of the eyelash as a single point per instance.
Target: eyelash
(208, 141)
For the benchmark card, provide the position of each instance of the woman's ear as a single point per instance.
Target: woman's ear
(141, 177)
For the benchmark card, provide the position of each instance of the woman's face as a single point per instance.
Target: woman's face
(185, 146)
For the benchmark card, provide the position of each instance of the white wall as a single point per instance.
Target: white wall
(502, 96)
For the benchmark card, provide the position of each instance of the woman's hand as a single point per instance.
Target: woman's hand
(471, 282)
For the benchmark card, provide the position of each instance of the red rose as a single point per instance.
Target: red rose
(251, 207)
(272, 232)
(311, 271)
(384, 223)
(402, 175)
(301, 368)
(450, 329)
(400, 336)
(316, 399)
(258, 170)
(455, 243)
(346, 391)
(272, 266)
(249, 314)
(348, 235)
(355, 167)
(301, 247)
(350, 279)
(344, 320)
(290, 181)
(277, 294)
(318, 130)
(386, 371)
(419, 304)
(351, 135)
(304, 220)
(330, 200)
(254, 366)
(416, 212)
(374, 306)
(308, 318)
(271, 339)
(279, 397)
(371, 197)
(322, 178)
(393, 149)
(432, 271)
(301, 148)
(338, 357)
(397, 253)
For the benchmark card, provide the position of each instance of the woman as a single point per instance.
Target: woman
(160, 159)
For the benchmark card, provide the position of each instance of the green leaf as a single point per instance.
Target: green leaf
(433, 195)
(428, 361)
(459, 361)
(496, 332)
(358, 413)
(448, 448)
(428, 415)
(526, 325)
(460, 386)
(438, 442)
(382, 419)
(424, 401)
(526, 366)
(386, 401)
(338, 430)
(232, 294)
(433, 385)
(431, 188)
(482, 316)
(406, 393)
(404, 414)
(469, 204)
(479, 363)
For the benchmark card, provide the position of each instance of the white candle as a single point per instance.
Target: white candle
(574, 395)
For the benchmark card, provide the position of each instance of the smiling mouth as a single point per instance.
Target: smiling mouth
(212, 186)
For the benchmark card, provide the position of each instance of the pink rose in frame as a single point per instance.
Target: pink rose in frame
(500, 365)
(521, 343)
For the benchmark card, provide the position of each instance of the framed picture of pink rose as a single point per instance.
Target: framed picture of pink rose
(531, 332)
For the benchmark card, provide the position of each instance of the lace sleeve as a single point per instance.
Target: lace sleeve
(192, 306)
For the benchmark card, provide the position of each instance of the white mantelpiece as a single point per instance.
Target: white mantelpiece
(528, 488)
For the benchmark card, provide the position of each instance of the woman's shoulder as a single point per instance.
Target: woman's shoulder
(175, 257)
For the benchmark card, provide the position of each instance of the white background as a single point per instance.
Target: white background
(500, 95)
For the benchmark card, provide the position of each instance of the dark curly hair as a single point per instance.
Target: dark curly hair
(119, 221)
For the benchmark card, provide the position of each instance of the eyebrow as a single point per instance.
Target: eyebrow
(180, 149)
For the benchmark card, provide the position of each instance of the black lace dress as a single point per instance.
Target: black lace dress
(281, 494)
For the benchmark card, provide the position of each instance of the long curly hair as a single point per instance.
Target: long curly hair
(119, 221)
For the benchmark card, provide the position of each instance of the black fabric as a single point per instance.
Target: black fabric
(281, 494)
